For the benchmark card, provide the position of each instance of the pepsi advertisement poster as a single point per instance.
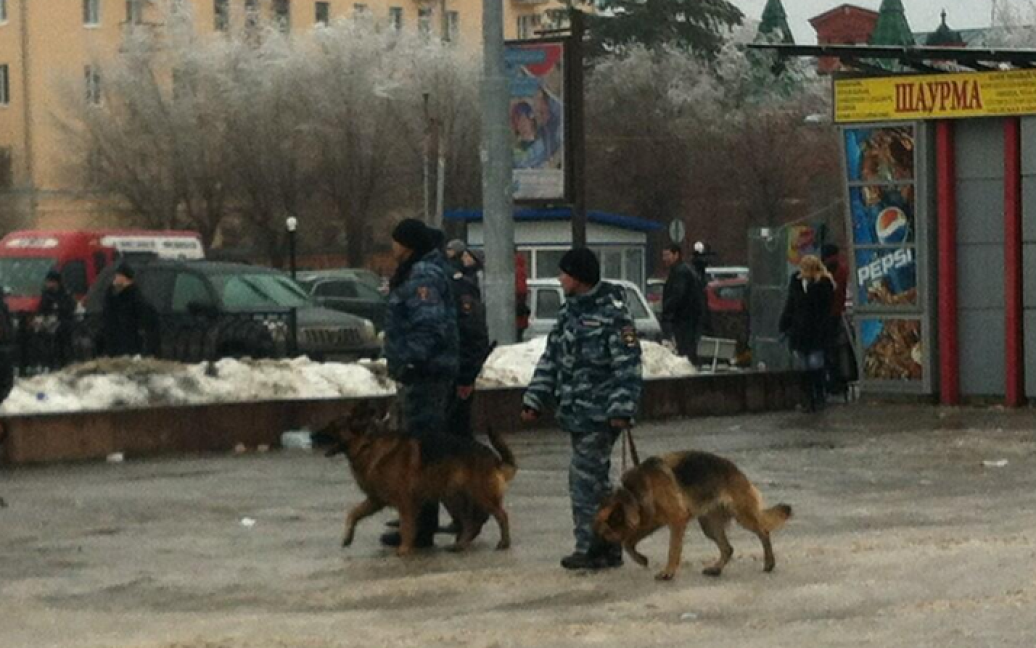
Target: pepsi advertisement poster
(876, 155)
(886, 277)
(882, 215)
(892, 349)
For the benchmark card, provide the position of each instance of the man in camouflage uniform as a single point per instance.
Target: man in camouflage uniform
(591, 372)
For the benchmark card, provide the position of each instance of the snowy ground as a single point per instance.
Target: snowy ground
(915, 526)
(113, 383)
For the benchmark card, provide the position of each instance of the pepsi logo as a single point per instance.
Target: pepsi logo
(892, 225)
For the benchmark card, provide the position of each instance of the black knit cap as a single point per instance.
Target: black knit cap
(412, 234)
(581, 264)
(126, 271)
(53, 275)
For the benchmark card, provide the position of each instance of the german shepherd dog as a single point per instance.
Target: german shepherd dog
(671, 490)
(390, 468)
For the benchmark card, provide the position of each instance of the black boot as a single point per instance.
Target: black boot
(606, 554)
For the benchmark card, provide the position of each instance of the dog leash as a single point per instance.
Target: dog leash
(627, 440)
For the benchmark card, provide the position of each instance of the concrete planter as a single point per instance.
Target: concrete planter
(40, 438)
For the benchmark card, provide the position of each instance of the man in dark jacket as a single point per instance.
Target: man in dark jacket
(130, 323)
(683, 303)
(421, 347)
(474, 339)
(55, 313)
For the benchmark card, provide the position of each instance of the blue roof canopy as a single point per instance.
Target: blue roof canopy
(561, 214)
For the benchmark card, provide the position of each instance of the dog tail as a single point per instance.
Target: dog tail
(506, 456)
(775, 516)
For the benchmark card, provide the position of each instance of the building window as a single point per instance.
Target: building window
(93, 85)
(91, 12)
(6, 168)
(360, 9)
(251, 14)
(282, 14)
(452, 26)
(424, 20)
(5, 85)
(527, 25)
(396, 17)
(3, 11)
(221, 10)
(134, 12)
(323, 13)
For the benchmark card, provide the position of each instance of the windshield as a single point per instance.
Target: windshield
(258, 291)
(24, 276)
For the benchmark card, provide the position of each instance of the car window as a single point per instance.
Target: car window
(337, 289)
(733, 293)
(24, 276)
(73, 275)
(548, 303)
(258, 291)
(637, 308)
(368, 293)
(189, 288)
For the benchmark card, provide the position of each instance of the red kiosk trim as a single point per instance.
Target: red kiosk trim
(946, 208)
(1014, 365)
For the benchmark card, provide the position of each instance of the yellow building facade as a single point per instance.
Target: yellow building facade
(47, 47)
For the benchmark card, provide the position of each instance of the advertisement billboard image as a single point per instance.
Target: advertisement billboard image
(880, 155)
(886, 277)
(537, 122)
(882, 215)
(892, 349)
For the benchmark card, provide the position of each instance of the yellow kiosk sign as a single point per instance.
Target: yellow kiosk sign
(935, 96)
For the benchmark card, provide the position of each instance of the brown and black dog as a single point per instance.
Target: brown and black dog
(466, 476)
(671, 490)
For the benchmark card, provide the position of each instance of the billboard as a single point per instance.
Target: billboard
(536, 73)
(886, 277)
(892, 349)
(880, 155)
(935, 96)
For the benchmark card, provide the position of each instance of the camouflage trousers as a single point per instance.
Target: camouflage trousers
(589, 479)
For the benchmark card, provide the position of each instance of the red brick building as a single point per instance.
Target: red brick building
(844, 25)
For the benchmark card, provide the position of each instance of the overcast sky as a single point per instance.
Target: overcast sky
(922, 14)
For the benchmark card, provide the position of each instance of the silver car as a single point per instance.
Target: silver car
(546, 297)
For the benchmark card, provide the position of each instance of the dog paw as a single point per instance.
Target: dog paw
(665, 575)
(457, 547)
(640, 559)
(346, 541)
(712, 571)
(768, 567)
(500, 546)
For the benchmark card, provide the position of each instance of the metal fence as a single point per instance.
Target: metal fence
(44, 344)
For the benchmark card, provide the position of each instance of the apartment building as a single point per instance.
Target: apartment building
(47, 48)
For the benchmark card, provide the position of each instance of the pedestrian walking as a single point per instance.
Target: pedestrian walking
(591, 373)
(683, 304)
(54, 320)
(129, 322)
(840, 355)
(8, 340)
(806, 321)
(521, 296)
(473, 336)
(421, 348)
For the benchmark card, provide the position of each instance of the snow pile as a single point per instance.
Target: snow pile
(134, 382)
(114, 383)
(514, 364)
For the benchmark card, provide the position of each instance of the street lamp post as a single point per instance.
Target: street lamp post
(291, 224)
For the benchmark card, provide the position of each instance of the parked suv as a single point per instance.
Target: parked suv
(546, 297)
(348, 292)
(229, 309)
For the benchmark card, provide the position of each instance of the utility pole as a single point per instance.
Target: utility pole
(577, 128)
(497, 164)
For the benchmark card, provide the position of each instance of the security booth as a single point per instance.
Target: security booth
(544, 235)
(940, 183)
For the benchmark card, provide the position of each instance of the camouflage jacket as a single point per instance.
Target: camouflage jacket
(591, 368)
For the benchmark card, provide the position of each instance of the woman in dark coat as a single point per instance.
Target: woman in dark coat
(806, 321)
